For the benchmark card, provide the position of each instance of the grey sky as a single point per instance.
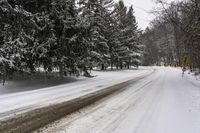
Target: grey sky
(142, 10)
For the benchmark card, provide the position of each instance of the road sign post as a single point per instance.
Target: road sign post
(185, 62)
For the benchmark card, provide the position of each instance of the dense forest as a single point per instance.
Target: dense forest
(71, 37)
(174, 34)
(67, 36)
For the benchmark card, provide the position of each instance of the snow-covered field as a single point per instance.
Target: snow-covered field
(15, 102)
(164, 102)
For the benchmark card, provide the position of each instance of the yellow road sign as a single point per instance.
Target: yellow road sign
(185, 62)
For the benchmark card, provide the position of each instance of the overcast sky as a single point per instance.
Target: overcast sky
(142, 10)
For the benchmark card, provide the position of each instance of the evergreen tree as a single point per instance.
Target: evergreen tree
(16, 37)
(70, 36)
(131, 39)
(94, 13)
(129, 49)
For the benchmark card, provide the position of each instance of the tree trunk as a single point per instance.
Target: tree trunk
(177, 44)
(102, 67)
(86, 73)
(61, 71)
(4, 79)
(111, 64)
(128, 65)
(117, 63)
(121, 66)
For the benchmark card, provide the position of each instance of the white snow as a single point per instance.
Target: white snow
(164, 102)
(23, 101)
(194, 79)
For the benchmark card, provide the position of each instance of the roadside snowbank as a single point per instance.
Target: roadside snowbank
(24, 101)
(193, 78)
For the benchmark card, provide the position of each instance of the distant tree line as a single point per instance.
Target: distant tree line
(70, 36)
(175, 33)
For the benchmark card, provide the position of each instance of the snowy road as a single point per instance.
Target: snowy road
(164, 102)
(13, 103)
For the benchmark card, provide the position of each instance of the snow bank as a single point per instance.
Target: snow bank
(23, 101)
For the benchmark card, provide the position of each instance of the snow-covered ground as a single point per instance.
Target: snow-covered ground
(164, 102)
(194, 79)
(38, 82)
(15, 102)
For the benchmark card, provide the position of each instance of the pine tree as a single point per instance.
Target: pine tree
(122, 49)
(59, 43)
(66, 35)
(95, 14)
(129, 49)
(132, 39)
(16, 31)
